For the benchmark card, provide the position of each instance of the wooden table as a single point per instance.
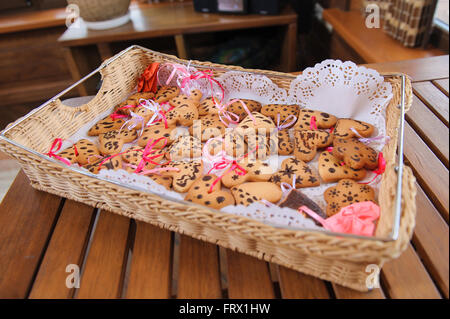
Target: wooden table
(174, 19)
(121, 258)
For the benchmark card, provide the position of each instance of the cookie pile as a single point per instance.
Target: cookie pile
(178, 162)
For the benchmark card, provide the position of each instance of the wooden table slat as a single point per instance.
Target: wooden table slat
(347, 293)
(248, 277)
(104, 269)
(27, 218)
(433, 98)
(431, 240)
(430, 129)
(198, 273)
(430, 172)
(151, 264)
(406, 278)
(67, 246)
(442, 84)
(295, 285)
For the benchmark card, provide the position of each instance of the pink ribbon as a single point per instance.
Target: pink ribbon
(286, 188)
(208, 75)
(223, 113)
(55, 147)
(148, 150)
(157, 170)
(182, 71)
(368, 140)
(357, 219)
(380, 170)
(116, 115)
(284, 125)
(313, 124)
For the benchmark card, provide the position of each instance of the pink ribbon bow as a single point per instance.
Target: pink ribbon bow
(223, 113)
(56, 146)
(380, 170)
(148, 150)
(357, 219)
(313, 123)
(114, 116)
(286, 123)
(208, 75)
(367, 140)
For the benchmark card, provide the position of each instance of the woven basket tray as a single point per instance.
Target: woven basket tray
(340, 259)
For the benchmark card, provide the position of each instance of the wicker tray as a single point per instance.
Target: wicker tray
(338, 258)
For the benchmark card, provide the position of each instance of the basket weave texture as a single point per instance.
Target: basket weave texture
(101, 10)
(342, 260)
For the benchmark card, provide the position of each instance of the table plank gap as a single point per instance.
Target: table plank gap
(30, 223)
(434, 99)
(412, 284)
(442, 84)
(347, 293)
(223, 271)
(175, 264)
(151, 265)
(295, 285)
(67, 246)
(103, 273)
(429, 128)
(248, 277)
(431, 241)
(428, 169)
(199, 274)
(128, 258)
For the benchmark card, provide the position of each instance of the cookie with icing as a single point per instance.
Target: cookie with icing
(323, 120)
(186, 174)
(307, 142)
(281, 111)
(238, 109)
(331, 169)
(133, 100)
(185, 146)
(86, 151)
(262, 124)
(165, 181)
(166, 93)
(344, 129)
(261, 146)
(252, 192)
(232, 144)
(285, 144)
(255, 171)
(207, 127)
(107, 162)
(112, 142)
(201, 193)
(355, 154)
(345, 193)
(184, 113)
(292, 168)
(105, 125)
(134, 154)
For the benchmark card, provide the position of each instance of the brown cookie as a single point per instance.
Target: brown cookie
(249, 193)
(323, 120)
(207, 127)
(332, 170)
(262, 124)
(261, 146)
(232, 143)
(238, 109)
(188, 172)
(307, 142)
(343, 128)
(296, 199)
(134, 154)
(345, 193)
(135, 100)
(105, 125)
(285, 145)
(166, 93)
(207, 107)
(87, 151)
(69, 154)
(108, 162)
(199, 193)
(186, 146)
(284, 111)
(112, 142)
(355, 154)
(155, 132)
(184, 113)
(257, 171)
(304, 175)
(165, 181)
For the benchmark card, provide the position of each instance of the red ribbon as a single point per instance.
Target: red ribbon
(380, 170)
(221, 165)
(148, 150)
(313, 124)
(114, 116)
(57, 143)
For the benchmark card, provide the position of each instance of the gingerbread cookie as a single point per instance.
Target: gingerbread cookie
(112, 142)
(249, 193)
(345, 193)
(343, 128)
(238, 109)
(232, 144)
(331, 169)
(107, 162)
(165, 181)
(185, 111)
(155, 132)
(166, 93)
(257, 171)
(285, 145)
(133, 156)
(323, 120)
(306, 143)
(86, 151)
(217, 198)
(186, 146)
(355, 154)
(207, 127)
(207, 107)
(133, 100)
(262, 123)
(261, 146)
(296, 199)
(186, 174)
(284, 111)
(304, 175)
(105, 125)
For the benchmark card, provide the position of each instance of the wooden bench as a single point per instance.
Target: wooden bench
(352, 40)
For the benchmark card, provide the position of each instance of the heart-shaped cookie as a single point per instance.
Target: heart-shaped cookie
(200, 193)
(343, 129)
(249, 193)
(331, 169)
(322, 120)
(307, 142)
(355, 154)
(257, 171)
(186, 173)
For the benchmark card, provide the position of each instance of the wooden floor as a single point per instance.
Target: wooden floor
(8, 171)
